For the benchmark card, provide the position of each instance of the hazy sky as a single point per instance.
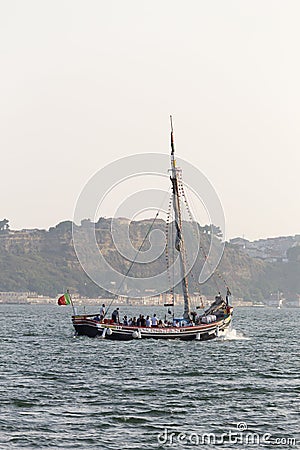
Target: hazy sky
(83, 83)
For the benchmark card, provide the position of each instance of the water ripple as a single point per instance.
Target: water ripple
(65, 393)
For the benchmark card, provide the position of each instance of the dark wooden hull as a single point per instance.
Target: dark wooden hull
(89, 327)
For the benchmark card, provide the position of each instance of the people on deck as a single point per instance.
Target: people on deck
(193, 316)
(102, 311)
(228, 294)
(154, 321)
(140, 321)
(116, 316)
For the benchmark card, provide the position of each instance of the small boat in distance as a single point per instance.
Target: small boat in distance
(208, 325)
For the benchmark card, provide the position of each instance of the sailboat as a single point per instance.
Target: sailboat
(208, 325)
(280, 300)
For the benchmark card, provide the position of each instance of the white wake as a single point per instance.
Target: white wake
(231, 334)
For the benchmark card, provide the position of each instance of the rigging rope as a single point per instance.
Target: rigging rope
(167, 249)
(182, 192)
(132, 262)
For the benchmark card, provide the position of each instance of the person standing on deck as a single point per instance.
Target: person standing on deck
(228, 295)
(116, 316)
(102, 311)
(154, 320)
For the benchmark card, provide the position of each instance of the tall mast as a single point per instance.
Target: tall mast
(179, 242)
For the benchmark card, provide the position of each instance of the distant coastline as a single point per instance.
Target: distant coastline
(44, 262)
(23, 298)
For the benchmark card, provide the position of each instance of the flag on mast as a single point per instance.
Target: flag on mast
(64, 299)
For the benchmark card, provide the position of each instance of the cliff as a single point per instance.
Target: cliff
(45, 262)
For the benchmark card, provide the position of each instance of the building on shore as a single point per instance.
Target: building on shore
(14, 297)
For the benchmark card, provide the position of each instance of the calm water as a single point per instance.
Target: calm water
(62, 392)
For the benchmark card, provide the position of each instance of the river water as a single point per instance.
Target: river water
(62, 392)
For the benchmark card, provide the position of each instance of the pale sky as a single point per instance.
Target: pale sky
(83, 83)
